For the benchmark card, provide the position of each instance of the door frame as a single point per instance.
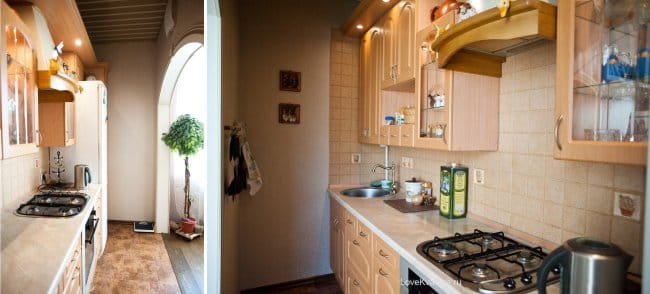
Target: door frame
(184, 50)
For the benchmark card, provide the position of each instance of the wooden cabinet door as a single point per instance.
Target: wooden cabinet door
(404, 44)
(356, 285)
(384, 282)
(337, 242)
(585, 97)
(19, 92)
(374, 87)
(387, 27)
(70, 130)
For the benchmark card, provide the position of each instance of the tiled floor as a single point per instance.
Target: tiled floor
(134, 263)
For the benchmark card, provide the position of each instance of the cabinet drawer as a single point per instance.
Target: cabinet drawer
(385, 254)
(363, 235)
(350, 223)
(355, 283)
(407, 135)
(385, 281)
(71, 280)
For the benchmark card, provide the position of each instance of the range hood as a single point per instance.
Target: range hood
(53, 86)
(480, 44)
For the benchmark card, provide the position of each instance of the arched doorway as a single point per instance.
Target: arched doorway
(186, 49)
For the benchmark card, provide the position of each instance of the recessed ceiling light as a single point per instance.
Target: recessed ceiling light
(77, 42)
(360, 26)
(385, 1)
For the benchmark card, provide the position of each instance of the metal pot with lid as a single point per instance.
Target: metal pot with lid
(586, 265)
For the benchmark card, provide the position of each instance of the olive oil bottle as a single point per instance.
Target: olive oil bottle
(453, 191)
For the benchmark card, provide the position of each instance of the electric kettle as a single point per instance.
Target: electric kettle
(81, 176)
(586, 265)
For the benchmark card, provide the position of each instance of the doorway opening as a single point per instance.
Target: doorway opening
(183, 91)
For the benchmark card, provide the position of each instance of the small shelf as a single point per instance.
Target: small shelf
(433, 108)
(487, 37)
(57, 87)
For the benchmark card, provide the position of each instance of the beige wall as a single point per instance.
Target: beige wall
(526, 189)
(131, 114)
(230, 110)
(284, 228)
(19, 177)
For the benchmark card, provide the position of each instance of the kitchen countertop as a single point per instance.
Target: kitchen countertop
(405, 231)
(34, 248)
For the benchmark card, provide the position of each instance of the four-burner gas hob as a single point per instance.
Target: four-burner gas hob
(486, 262)
(54, 204)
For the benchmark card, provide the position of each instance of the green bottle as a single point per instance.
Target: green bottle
(453, 191)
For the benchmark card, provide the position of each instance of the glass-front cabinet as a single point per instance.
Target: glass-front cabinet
(19, 91)
(603, 81)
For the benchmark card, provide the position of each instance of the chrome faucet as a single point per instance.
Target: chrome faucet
(391, 168)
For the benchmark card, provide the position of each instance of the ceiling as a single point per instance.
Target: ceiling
(122, 20)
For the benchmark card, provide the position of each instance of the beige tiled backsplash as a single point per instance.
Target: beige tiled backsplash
(525, 188)
(19, 177)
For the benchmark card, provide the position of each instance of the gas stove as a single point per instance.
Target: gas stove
(54, 204)
(487, 262)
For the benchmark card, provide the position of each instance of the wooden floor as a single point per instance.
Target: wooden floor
(187, 261)
(317, 285)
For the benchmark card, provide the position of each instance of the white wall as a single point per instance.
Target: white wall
(131, 125)
(284, 230)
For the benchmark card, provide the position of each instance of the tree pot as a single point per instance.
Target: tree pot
(188, 225)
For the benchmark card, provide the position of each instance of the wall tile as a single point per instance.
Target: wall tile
(600, 199)
(601, 174)
(574, 220)
(575, 195)
(598, 225)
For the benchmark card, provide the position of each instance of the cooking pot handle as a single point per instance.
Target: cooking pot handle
(87, 171)
(559, 256)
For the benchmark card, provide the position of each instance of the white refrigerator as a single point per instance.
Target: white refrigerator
(91, 111)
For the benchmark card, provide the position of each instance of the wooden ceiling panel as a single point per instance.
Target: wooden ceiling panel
(122, 20)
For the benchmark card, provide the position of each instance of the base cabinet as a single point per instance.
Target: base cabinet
(362, 262)
(72, 281)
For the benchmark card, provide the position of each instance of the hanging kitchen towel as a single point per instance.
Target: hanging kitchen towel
(236, 170)
(254, 177)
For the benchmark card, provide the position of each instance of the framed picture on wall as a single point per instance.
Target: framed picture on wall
(289, 81)
(289, 113)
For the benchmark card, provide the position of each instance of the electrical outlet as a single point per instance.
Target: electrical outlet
(355, 158)
(37, 163)
(627, 205)
(479, 176)
(407, 162)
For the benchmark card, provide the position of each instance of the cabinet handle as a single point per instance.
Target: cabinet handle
(349, 221)
(383, 136)
(557, 132)
(383, 254)
(336, 221)
(355, 283)
(76, 275)
(355, 242)
(393, 136)
(362, 234)
(406, 135)
(382, 272)
(40, 137)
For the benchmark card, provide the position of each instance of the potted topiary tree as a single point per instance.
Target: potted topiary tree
(185, 137)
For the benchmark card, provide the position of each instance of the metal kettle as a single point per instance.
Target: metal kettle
(586, 265)
(81, 176)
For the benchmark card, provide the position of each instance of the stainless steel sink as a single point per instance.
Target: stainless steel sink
(365, 192)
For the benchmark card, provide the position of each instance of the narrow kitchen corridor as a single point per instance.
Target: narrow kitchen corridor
(134, 263)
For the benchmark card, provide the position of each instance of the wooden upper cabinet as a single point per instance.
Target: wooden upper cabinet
(74, 64)
(398, 27)
(602, 83)
(370, 66)
(18, 87)
(405, 42)
(386, 26)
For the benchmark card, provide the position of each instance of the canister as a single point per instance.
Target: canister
(453, 191)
